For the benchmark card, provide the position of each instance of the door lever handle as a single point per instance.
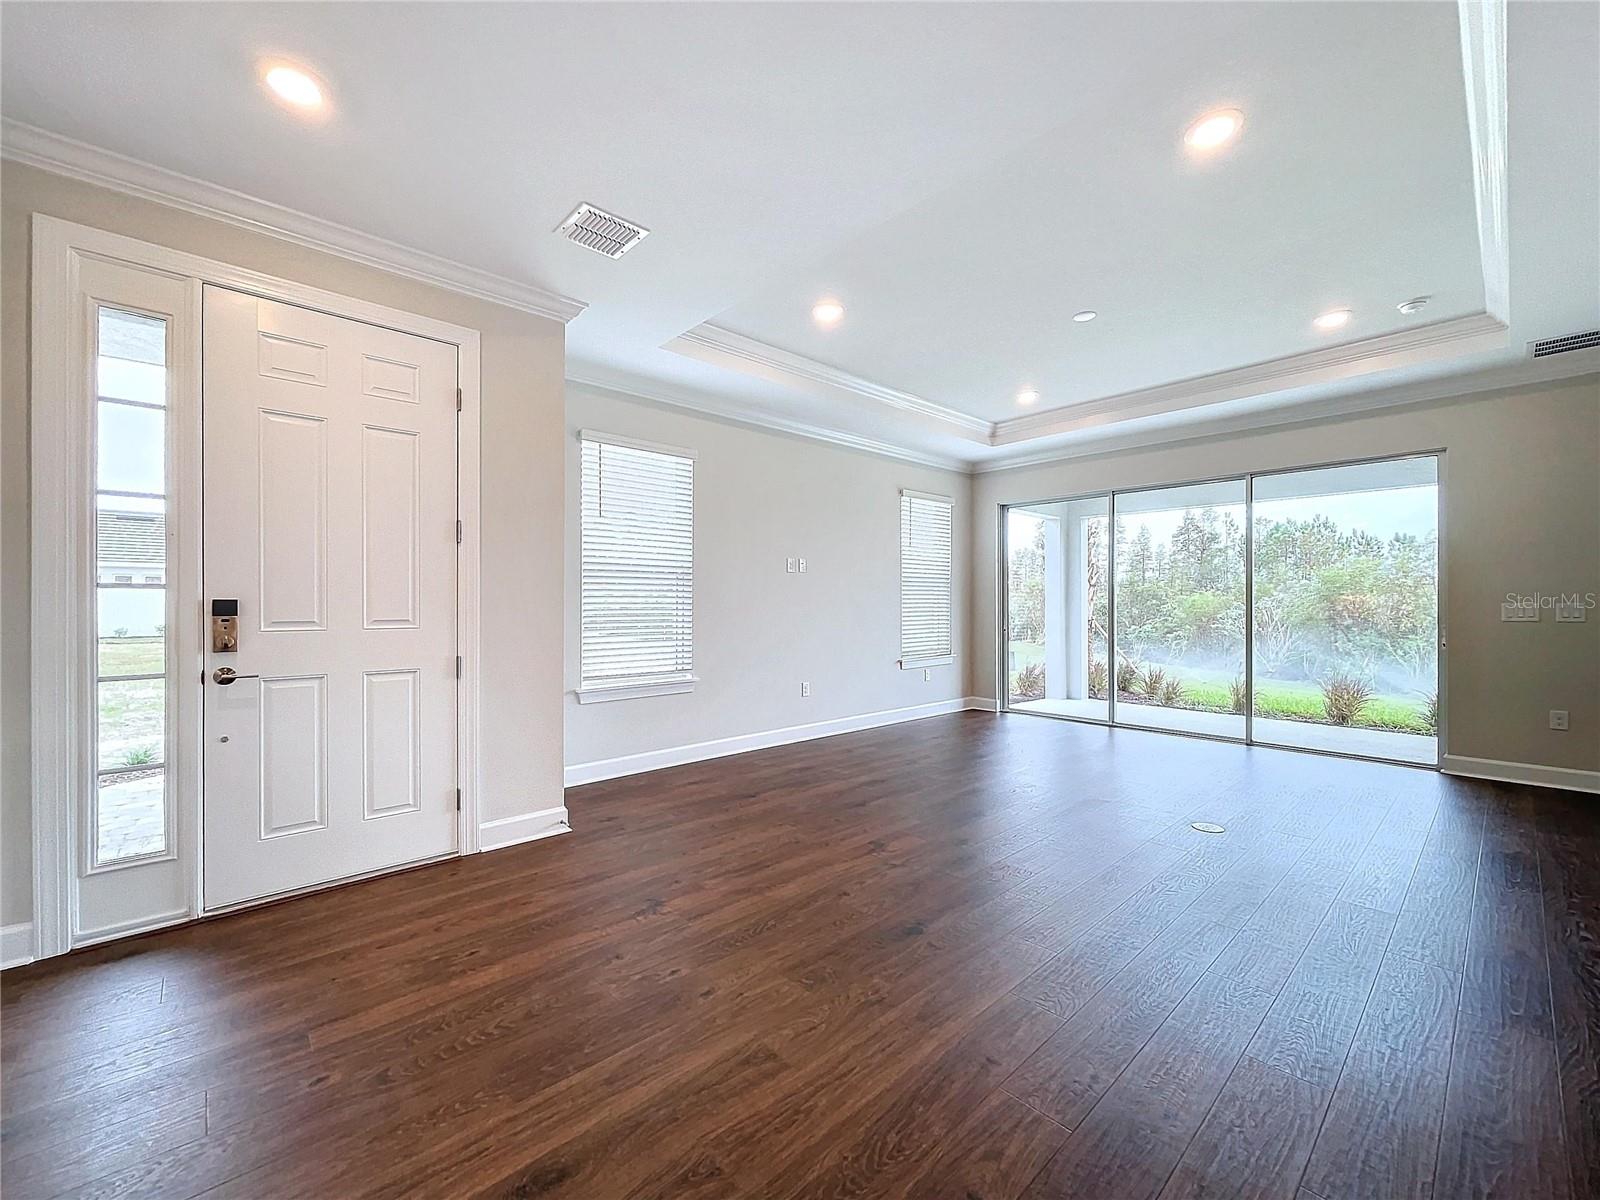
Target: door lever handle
(226, 675)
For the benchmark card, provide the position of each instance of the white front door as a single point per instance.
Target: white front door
(330, 519)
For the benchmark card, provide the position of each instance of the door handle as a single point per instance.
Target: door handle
(226, 675)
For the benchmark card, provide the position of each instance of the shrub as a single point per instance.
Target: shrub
(1171, 694)
(140, 757)
(1343, 698)
(1030, 683)
(1097, 679)
(1238, 695)
(1127, 677)
(1153, 682)
(1430, 716)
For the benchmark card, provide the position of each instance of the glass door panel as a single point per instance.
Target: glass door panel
(1346, 569)
(1180, 608)
(1058, 606)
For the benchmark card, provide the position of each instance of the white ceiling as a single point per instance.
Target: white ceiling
(962, 176)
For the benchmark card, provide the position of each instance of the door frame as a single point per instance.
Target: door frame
(60, 609)
(1003, 600)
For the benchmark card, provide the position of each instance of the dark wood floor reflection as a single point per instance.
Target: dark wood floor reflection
(973, 956)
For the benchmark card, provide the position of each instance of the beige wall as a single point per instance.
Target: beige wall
(522, 480)
(761, 497)
(1521, 513)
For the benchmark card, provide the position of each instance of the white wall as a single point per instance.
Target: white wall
(761, 497)
(523, 358)
(1521, 513)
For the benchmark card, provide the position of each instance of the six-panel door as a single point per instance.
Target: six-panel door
(330, 516)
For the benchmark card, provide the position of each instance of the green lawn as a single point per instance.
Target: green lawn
(130, 656)
(1296, 700)
(131, 712)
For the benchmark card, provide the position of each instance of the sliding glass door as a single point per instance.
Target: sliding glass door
(1056, 649)
(1180, 603)
(1346, 570)
(1290, 608)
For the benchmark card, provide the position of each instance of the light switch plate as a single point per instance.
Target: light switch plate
(1572, 610)
(1519, 612)
(802, 566)
(788, 565)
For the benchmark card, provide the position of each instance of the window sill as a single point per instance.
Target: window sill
(916, 664)
(605, 693)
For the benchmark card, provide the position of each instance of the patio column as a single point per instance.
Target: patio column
(1075, 588)
(1057, 664)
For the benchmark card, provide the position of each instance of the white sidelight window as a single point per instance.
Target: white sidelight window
(925, 580)
(129, 804)
(637, 569)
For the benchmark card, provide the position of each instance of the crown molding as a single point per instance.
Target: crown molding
(624, 387)
(1407, 347)
(36, 147)
(1329, 410)
(713, 344)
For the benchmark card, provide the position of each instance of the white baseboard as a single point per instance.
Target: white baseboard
(16, 945)
(983, 703)
(676, 756)
(1513, 772)
(524, 827)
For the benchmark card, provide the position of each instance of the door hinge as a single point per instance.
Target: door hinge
(458, 533)
(458, 399)
(458, 666)
(458, 799)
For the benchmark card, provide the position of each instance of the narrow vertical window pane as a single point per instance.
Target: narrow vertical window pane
(132, 450)
(130, 797)
(1180, 601)
(132, 635)
(133, 815)
(1346, 565)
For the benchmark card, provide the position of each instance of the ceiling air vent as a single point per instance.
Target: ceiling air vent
(601, 231)
(1564, 345)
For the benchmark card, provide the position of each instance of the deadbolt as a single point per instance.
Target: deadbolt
(224, 627)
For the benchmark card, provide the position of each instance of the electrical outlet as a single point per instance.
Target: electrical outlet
(802, 566)
(927, 675)
(788, 565)
(805, 689)
(1558, 719)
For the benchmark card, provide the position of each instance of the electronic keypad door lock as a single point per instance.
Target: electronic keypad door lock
(224, 626)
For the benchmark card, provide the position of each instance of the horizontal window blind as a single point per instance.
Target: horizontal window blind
(637, 571)
(925, 577)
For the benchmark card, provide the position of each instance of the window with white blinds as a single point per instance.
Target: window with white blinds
(925, 577)
(637, 570)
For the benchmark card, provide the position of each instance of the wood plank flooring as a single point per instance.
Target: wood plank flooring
(969, 958)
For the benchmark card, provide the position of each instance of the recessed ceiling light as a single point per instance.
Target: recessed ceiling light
(827, 312)
(293, 86)
(1336, 318)
(1414, 306)
(1087, 314)
(1027, 396)
(1214, 129)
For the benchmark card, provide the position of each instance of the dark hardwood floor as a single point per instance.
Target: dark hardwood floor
(969, 957)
